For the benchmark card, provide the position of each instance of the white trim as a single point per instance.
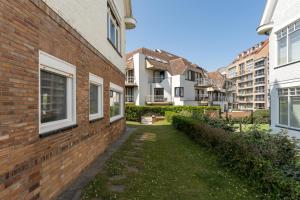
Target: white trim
(52, 64)
(119, 89)
(96, 80)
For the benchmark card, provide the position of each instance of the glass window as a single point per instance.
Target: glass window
(115, 103)
(57, 97)
(179, 92)
(113, 29)
(295, 112)
(294, 46)
(94, 101)
(282, 51)
(96, 97)
(283, 110)
(53, 97)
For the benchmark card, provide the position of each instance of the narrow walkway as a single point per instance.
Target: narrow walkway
(74, 191)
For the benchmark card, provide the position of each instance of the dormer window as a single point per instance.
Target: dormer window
(113, 29)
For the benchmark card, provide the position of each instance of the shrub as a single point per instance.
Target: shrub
(268, 160)
(263, 116)
(169, 115)
(134, 113)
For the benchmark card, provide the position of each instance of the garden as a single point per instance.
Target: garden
(195, 153)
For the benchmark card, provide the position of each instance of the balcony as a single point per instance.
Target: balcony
(259, 74)
(259, 91)
(130, 81)
(231, 88)
(260, 99)
(158, 99)
(201, 97)
(245, 80)
(260, 83)
(129, 98)
(204, 82)
(157, 79)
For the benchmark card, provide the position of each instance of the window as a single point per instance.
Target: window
(179, 92)
(113, 29)
(289, 44)
(116, 102)
(191, 75)
(289, 107)
(96, 97)
(57, 94)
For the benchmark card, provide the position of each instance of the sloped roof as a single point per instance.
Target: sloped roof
(218, 80)
(164, 60)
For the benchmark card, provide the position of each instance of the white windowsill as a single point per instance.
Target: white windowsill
(287, 127)
(116, 118)
(52, 126)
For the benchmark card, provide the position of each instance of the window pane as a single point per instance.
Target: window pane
(53, 97)
(115, 104)
(112, 32)
(94, 101)
(295, 112)
(294, 46)
(283, 110)
(282, 51)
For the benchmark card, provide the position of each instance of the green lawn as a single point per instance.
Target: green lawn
(159, 162)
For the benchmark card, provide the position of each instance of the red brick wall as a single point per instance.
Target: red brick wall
(32, 167)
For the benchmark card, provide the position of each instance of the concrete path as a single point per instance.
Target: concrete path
(73, 192)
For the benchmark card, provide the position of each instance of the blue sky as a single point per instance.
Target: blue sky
(209, 33)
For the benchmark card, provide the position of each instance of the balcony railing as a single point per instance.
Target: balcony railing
(231, 88)
(260, 83)
(260, 99)
(259, 91)
(157, 99)
(259, 74)
(157, 79)
(201, 97)
(129, 98)
(130, 80)
(204, 82)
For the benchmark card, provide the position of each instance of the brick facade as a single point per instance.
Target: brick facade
(32, 167)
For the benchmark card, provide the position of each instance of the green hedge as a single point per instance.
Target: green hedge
(134, 113)
(262, 116)
(267, 160)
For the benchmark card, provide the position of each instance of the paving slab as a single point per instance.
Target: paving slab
(74, 191)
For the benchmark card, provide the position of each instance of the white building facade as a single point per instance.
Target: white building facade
(157, 77)
(281, 21)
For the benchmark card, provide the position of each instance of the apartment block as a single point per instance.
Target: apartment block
(62, 79)
(158, 77)
(249, 73)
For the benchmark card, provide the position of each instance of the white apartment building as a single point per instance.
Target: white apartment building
(249, 74)
(157, 77)
(281, 21)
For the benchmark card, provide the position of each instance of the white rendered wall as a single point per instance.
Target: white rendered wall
(286, 12)
(89, 18)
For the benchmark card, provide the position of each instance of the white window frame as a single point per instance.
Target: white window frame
(111, 17)
(285, 32)
(289, 95)
(119, 89)
(98, 81)
(52, 64)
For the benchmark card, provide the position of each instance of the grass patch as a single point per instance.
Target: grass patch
(159, 162)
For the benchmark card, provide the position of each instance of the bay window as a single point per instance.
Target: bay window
(57, 104)
(289, 107)
(96, 97)
(116, 102)
(288, 43)
(113, 29)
